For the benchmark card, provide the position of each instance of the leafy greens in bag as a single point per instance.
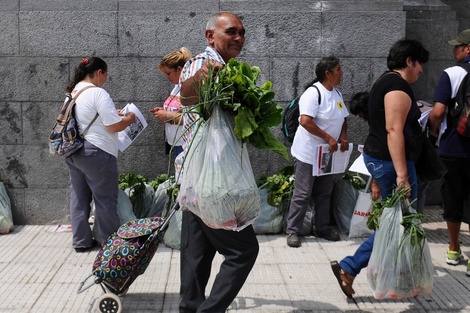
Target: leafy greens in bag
(234, 89)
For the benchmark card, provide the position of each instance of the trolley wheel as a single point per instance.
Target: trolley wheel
(108, 303)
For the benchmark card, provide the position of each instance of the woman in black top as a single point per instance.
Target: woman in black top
(392, 146)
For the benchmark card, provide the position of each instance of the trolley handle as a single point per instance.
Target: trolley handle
(164, 226)
(82, 289)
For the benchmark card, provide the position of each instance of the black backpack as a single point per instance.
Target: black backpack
(460, 113)
(290, 117)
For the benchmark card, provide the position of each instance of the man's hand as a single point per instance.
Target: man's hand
(189, 95)
(374, 190)
(209, 66)
(344, 144)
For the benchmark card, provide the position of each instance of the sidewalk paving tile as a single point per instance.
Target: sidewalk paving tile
(40, 273)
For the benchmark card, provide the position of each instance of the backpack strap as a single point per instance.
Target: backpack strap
(382, 76)
(89, 125)
(79, 92)
(457, 108)
(74, 100)
(319, 95)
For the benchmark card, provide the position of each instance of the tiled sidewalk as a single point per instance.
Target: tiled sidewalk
(40, 273)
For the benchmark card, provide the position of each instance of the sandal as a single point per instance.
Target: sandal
(344, 279)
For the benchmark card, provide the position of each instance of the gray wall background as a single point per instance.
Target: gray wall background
(41, 42)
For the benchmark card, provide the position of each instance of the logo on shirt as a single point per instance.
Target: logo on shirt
(340, 104)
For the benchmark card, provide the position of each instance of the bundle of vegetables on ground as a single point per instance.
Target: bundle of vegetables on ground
(218, 184)
(141, 191)
(279, 187)
(400, 265)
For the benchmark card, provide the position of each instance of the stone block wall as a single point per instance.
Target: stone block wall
(43, 41)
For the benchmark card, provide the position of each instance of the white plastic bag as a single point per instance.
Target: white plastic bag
(6, 217)
(218, 184)
(362, 210)
(397, 269)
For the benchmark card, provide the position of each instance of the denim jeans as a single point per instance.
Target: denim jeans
(384, 173)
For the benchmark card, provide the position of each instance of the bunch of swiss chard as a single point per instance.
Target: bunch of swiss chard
(411, 221)
(234, 88)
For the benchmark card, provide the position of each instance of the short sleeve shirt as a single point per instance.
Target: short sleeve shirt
(452, 144)
(190, 116)
(376, 144)
(90, 102)
(173, 132)
(329, 116)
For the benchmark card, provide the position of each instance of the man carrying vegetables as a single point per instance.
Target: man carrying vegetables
(225, 35)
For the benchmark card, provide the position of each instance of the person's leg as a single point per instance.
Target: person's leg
(452, 191)
(354, 264)
(240, 250)
(384, 173)
(80, 199)
(351, 266)
(453, 230)
(303, 185)
(196, 257)
(101, 171)
(103, 182)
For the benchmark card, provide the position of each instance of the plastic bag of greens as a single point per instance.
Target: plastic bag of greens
(6, 217)
(400, 265)
(270, 218)
(218, 184)
(172, 237)
(344, 200)
(160, 199)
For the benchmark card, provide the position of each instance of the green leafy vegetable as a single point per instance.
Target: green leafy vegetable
(378, 206)
(280, 186)
(234, 88)
(411, 221)
(134, 186)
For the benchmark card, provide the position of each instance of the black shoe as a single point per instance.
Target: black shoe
(293, 240)
(329, 234)
(86, 249)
